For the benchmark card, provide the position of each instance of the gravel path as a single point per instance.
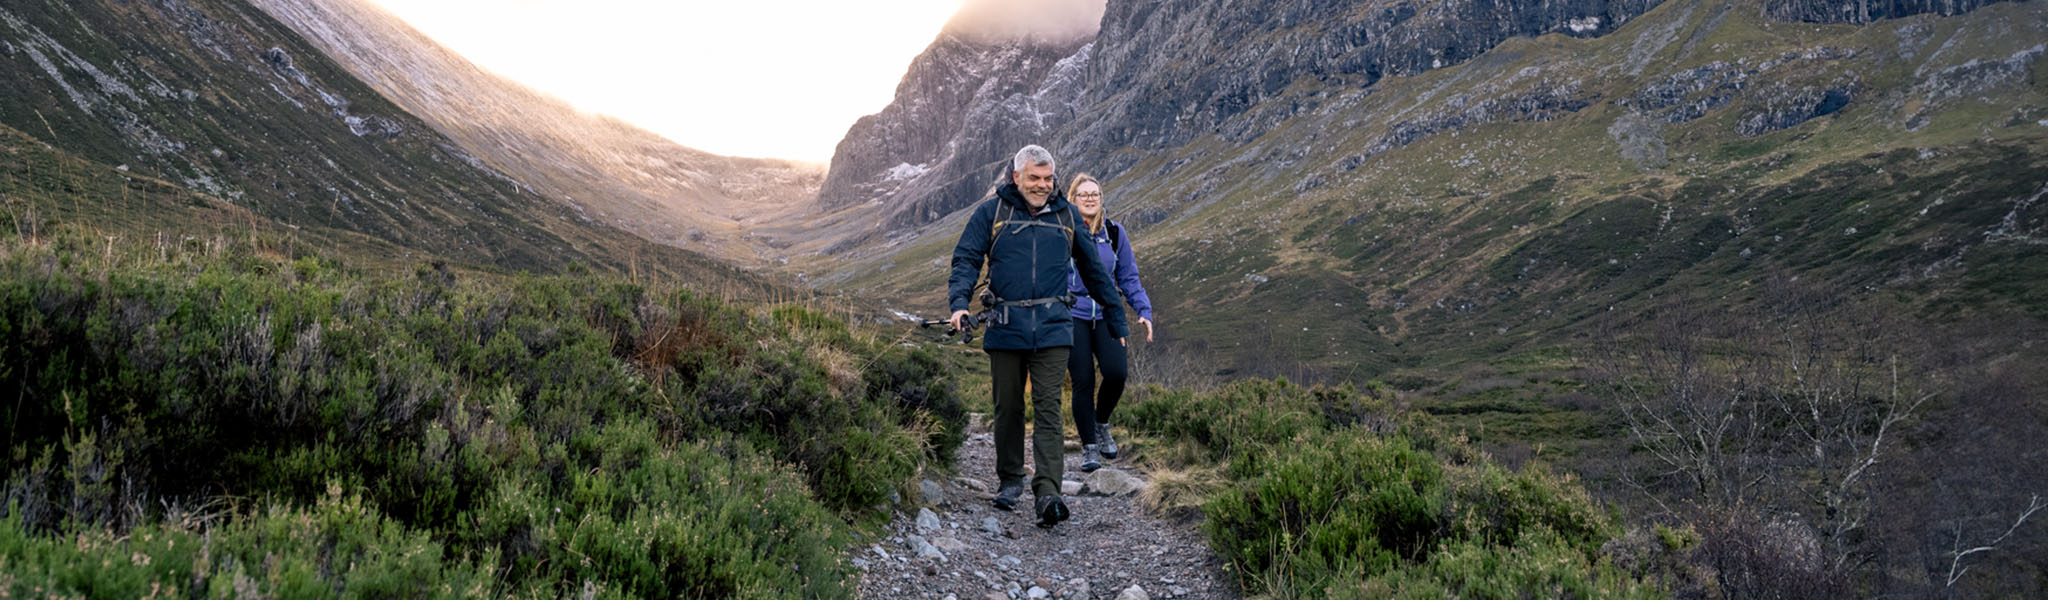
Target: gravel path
(961, 548)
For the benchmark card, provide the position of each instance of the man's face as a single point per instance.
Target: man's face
(1035, 181)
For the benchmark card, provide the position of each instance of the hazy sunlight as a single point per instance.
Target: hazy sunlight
(770, 79)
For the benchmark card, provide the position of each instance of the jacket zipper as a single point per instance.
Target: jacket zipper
(1034, 277)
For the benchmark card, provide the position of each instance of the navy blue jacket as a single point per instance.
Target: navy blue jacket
(1030, 262)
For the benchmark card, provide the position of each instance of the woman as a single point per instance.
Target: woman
(1093, 344)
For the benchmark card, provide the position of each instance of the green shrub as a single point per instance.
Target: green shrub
(1335, 495)
(342, 546)
(1330, 505)
(1539, 565)
(444, 400)
(1250, 413)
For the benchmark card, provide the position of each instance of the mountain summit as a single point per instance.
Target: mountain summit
(1001, 75)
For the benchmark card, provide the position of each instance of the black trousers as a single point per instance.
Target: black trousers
(1095, 346)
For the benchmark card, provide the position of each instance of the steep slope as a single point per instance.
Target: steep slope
(112, 103)
(1162, 74)
(616, 173)
(999, 76)
(1384, 212)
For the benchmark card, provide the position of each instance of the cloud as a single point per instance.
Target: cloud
(1048, 20)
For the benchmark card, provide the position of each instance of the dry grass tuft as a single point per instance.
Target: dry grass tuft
(1178, 494)
(840, 369)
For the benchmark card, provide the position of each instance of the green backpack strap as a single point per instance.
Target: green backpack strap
(995, 231)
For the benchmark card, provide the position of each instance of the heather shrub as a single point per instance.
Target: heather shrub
(1335, 494)
(440, 400)
(1249, 413)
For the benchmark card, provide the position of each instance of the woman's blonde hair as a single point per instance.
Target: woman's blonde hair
(1101, 216)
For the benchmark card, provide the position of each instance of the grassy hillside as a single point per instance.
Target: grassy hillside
(1508, 204)
(216, 97)
(248, 415)
(41, 183)
(616, 174)
(244, 413)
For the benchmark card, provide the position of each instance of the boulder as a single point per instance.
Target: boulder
(1111, 481)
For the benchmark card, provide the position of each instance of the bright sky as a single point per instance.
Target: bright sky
(765, 78)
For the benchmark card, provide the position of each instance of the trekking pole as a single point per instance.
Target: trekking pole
(972, 322)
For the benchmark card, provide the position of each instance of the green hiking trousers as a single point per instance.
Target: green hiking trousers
(1047, 368)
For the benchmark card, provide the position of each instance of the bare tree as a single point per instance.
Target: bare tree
(1786, 408)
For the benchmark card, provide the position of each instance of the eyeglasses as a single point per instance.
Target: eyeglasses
(1088, 195)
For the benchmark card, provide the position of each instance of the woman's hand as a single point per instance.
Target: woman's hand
(1148, 328)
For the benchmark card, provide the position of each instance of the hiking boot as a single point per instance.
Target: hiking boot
(1104, 443)
(1007, 495)
(1091, 458)
(1051, 510)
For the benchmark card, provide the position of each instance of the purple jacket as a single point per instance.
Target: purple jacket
(1123, 268)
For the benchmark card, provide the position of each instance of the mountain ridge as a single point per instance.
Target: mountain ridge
(1372, 229)
(218, 98)
(609, 170)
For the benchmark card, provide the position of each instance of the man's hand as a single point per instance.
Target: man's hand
(959, 320)
(1148, 328)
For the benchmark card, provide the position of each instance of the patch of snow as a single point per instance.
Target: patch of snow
(906, 171)
(1584, 25)
(287, 97)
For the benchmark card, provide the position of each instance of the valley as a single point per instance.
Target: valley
(1632, 298)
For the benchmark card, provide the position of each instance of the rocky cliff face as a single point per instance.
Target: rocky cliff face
(1865, 11)
(1168, 72)
(613, 172)
(1162, 74)
(965, 104)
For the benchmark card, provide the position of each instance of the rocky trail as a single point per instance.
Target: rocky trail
(957, 546)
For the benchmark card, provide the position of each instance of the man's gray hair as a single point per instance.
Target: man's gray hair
(1031, 155)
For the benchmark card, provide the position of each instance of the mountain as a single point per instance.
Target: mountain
(976, 94)
(611, 171)
(170, 116)
(1367, 188)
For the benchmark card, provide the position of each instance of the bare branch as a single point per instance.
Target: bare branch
(1956, 568)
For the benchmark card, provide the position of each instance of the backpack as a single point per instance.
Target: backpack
(997, 224)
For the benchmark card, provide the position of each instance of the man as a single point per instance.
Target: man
(1028, 234)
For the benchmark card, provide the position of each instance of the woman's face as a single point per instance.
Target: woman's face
(1088, 197)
